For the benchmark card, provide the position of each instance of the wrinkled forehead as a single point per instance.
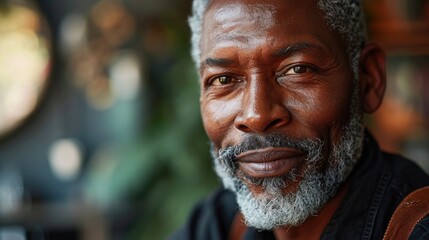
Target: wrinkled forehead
(261, 13)
(253, 21)
(257, 10)
(242, 22)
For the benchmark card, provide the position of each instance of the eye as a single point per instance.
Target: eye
(298, 73)
(298, 69)
(222, 80)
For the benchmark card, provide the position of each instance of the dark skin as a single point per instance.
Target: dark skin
(276, 67)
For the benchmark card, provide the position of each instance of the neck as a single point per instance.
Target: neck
(313, 227)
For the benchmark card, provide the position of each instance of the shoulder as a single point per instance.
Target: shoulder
(406, 175)
(421, 230)
(394, 170)
(210, 218)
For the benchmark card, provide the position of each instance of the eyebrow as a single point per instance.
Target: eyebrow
(290, 50)
(216, 62)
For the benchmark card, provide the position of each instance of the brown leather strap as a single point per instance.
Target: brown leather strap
(237, 228)
(410, 211)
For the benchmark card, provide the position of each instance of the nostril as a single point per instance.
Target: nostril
(243, 128)
(276, 123)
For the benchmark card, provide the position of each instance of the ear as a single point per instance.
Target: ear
(372, 76)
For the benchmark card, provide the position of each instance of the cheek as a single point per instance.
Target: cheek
(324, 110)
(218, 119)
(332, 108)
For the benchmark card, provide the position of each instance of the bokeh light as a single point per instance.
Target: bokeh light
(65, 158)
(24, 61)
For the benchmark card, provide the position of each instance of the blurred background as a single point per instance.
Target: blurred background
(100, 133)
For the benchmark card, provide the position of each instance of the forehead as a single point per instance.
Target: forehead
(254, 21)
(229, 14)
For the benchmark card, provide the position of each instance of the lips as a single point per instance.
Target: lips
(269, 162)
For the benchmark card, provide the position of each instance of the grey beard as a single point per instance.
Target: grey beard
(273, 208)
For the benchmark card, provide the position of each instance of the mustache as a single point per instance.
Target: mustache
(228, 156)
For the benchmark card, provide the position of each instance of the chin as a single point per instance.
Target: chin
(284, 202)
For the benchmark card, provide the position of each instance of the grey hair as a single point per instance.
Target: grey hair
(345, 17)
(196, 25)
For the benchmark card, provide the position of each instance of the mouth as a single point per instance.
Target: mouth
(270, 162)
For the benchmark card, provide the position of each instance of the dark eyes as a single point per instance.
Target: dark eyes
(223, 80)
(298, 69)
(291, 71)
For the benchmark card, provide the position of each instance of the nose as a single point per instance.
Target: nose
(263, 108)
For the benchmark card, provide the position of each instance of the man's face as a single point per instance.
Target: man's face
(276, 97)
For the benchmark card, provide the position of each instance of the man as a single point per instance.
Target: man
(284, 86)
